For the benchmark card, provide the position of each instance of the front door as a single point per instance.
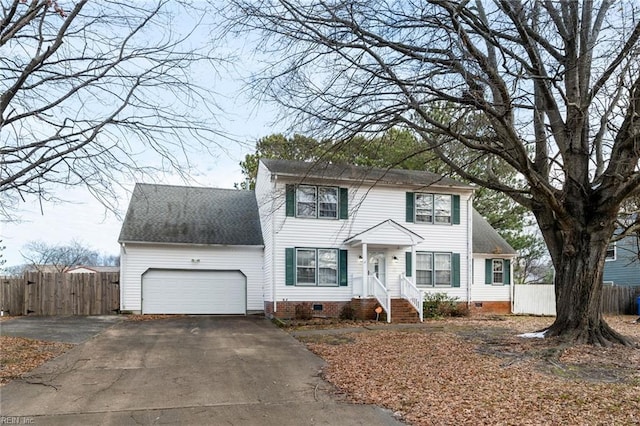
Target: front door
(378, 266)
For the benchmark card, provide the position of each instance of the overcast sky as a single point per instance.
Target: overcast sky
(84, 219)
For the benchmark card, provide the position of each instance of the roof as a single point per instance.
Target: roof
(302, 169)
(96, 269)
(191, 215)
(379, 234)
(486, 239)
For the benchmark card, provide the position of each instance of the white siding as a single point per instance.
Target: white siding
(367, 207)
(481, 292)
(137, 258)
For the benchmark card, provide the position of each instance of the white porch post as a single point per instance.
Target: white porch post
(414, 260)
(365, 271)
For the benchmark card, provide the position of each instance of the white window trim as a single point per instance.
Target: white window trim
(317, 202)
(433, 208)
(316, 282)
(434, 270)
(615, 253)
(493, 272)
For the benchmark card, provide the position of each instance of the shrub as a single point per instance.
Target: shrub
(437, 305)
(347, 312)
(303, 311)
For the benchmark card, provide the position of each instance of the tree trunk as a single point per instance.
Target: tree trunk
(578, 257)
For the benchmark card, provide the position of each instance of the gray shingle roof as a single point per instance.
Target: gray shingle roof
(302, 169)
(486, 239)
(190, 215)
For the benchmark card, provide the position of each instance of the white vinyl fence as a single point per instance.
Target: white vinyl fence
(534, 299)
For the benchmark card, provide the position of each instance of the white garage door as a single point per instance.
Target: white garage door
(193, 292)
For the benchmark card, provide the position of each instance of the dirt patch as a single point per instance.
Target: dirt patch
(477, 371)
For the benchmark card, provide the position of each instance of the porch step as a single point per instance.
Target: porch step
(403, 312)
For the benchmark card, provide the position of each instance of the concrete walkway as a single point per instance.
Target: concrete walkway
(188, 370)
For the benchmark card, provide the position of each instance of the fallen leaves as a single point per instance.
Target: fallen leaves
(19, 355)
(475, 371)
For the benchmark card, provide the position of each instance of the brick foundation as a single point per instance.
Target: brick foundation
(287, 309)
(479, 308)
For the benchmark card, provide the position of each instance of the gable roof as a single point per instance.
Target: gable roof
(191, 215)
(386, 232)
(348, 172)
(486, 239)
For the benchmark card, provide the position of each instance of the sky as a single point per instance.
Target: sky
(82, 218)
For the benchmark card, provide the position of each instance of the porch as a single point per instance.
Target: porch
(371, 293)
(383, 247)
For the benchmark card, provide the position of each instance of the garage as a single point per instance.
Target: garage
(194, 292)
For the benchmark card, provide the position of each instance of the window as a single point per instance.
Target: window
(433, 269)
(611, 252)
(305, 267)
(424, 208)
(316, 267)
(424, 269)
(433, 208)
(443, 208)
(317, 201)
(443, 269)
(328, 202)
(498, 271)
(306, 201)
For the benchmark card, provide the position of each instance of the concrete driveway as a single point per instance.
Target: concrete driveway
(188, 370)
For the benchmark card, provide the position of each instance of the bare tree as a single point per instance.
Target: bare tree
(40, 256)
(556, 84)
(91, 90)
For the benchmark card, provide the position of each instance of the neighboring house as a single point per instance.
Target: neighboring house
(323, 236)
(92, 269)
(622, 265)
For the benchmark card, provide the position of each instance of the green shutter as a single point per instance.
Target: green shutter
(407, 264)
(456, 210)
(455, 269)
(507, 272)
(344, 203)
(289, 266)
(410, 208)
(488, 271)
(342, 271)
(291, 200)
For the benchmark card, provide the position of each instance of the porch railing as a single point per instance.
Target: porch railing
(380, 292)
(413, 294)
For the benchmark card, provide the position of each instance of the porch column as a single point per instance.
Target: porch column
(414, 260)
(365, 271)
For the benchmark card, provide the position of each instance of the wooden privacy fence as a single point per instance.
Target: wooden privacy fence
(539, 299)
(61, 294)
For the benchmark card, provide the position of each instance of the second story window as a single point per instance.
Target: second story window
(317, 201)
(433, 208)
(611, 252)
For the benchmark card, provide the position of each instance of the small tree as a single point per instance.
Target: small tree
(38, 254)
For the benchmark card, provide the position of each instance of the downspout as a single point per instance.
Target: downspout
(273, 248)
(123, 251)
(469, 249)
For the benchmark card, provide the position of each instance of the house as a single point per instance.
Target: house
(92, 269)
(320, 235)
(622, 264)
